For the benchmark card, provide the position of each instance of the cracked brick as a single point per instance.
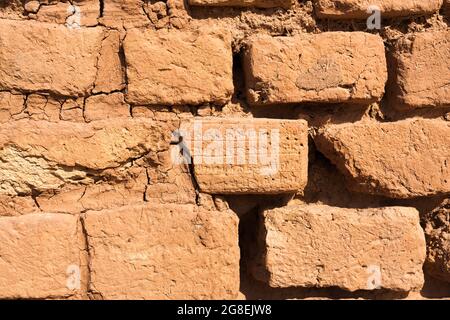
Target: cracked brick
(354, 249)
(306, 68)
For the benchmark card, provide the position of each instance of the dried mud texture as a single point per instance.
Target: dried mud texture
(178, 67)
(37, 252)
(424, 69)
(307, 69)
(68, 59)
(33, 159)
(403, 159)
(243, 3)
(437, 232)
(155, 252)
(361, 9)
(97, 200)
(346, 248)
(259, 156)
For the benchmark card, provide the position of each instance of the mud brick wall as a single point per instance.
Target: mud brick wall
(224, 149)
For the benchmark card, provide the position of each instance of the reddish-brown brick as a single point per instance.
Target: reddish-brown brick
(349, 9)
(163, 252)
(242, 156)
(329, 67)
(423, 75)
(354, 249)
(47, 57)
(242, 3)
(178, 67)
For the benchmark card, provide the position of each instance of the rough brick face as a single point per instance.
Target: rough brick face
(163, 252)
(124, 13)
(243, 3)
(33, 158)
(349, 9)
(249, 155)
(37, 252)
(10, 105)
(47, 57)
(178, 67)
(224, 149)
(321, 246)
(424, 69)
(306, 68)
(401, 159)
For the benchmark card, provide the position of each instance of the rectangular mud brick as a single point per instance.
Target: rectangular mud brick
(358, 9)
(242, 3)
(244, 156)
(423, 75)
(353, 249)
(163, 252)
(332, 67)
(47, 57)
(40, 256)
(38, 156)
(403, 159)
(178, 67)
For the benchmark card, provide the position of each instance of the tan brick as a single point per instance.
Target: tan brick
(234, 155)
(106, 106)
(70, 110)
(178, 67)
(329, 67)
(354, 249)
(35, 159)
(74, 13)
(48, 57)
(38, 254)
(10, 105)
(423, 61)
(163, 252)
(351, 9)
(110, 76)
(15, 206)
(42, 107)
(403, 159)
(242, 3)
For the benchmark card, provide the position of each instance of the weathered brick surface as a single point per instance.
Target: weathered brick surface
(248, 155)
(110, 73)
(124, 13)
(34, 159)
(47, 57)
(348, 9)
(243, 3)
(163, 252)
(307, 68)
(178, 67)
(295, 123)
(38, 252)
(10, 105)
(74, 13)
(424, 69)
(321, 246)
(401, 159)
(106, 106)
